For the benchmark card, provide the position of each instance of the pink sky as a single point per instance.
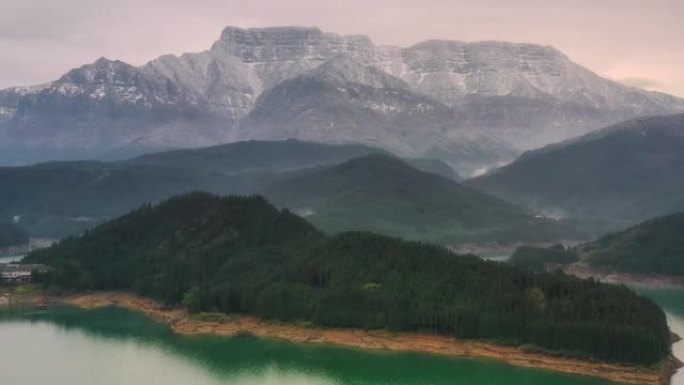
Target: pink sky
(640, 42)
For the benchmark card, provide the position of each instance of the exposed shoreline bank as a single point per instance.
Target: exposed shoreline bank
(583, 271)
(179, 322)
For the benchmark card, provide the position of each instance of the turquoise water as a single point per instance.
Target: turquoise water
(112, 346)
(672, 301)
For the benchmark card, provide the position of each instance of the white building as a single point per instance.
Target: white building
(19, 273)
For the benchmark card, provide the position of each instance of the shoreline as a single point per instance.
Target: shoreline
(232, 325)
(658, 281)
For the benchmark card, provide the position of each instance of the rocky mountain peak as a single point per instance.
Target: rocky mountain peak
(343, 69)
(258, 45)
(102, 71)
(449, 70)
(478, 98)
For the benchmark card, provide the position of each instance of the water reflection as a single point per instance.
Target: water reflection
(672, 301)
(112, 346)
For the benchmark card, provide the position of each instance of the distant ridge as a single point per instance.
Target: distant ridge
(617, 176)
(381, 193)
(56, 199)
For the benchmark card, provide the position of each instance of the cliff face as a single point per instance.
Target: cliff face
(445, 70)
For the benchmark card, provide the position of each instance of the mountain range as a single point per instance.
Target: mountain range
(338, 187)
(381, 193)
(56, 199)
(473, 105)
(612, 178)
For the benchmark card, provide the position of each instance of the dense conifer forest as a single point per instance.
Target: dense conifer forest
(242, 255)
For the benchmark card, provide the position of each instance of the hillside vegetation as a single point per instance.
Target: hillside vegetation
(537, 258)
(610, 179)
(383, 194)
(652, 247)
(338, 187)
(64, 198)
(241, 254)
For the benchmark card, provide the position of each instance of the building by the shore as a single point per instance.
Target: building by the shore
(20, 273)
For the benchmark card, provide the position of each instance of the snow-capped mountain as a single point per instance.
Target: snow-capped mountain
(344, 101)
(528, 94)
(449, 70)
(487, 96)
(102, 110)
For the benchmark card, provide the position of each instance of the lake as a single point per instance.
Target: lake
(66, 346)
(672, 300)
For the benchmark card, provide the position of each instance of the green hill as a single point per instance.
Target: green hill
(257, 156)
(62, 198)
(612, 178)
(58, 199)
(652, 247)
(240, 254)
(382, 193)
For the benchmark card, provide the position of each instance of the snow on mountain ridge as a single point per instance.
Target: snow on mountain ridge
(525, 94)
(244, 62)
(446, 70)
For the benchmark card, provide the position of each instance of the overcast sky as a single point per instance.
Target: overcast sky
(640, 42)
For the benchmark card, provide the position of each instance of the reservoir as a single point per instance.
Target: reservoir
(672, 301)
(66, 346)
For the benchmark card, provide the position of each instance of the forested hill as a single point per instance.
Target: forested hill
(653, 247)
(57, 199)
(382, 193)
(611, 179)
(241, 254)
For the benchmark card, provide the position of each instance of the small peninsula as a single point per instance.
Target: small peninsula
(242, 255)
